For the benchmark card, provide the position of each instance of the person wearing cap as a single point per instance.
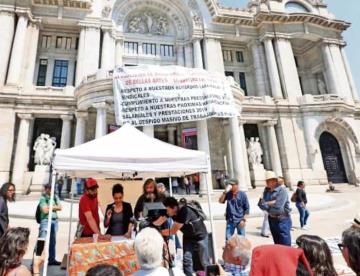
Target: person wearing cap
(275, 201)
(237, 208)
(44, 205)
(89, 209)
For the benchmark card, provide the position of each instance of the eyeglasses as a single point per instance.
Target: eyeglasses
(341, 246)
(11, 190)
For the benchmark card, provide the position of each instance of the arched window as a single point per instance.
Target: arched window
(293, 7)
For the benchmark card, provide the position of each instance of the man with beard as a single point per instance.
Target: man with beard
(88, 209)
(150, 194)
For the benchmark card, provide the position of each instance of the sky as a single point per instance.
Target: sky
(348, 10)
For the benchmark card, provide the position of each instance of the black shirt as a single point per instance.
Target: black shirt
(193, 226)
(301, 196)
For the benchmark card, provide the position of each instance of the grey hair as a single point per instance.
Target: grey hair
(149, 248)
(242, 249)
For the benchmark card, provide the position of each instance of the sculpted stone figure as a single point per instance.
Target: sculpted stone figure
(251, 151)
(254, 151)
(148, 23)
(258, 151)
(44, 147)
(321, 86)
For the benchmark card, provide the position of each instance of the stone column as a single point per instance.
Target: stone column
(22, 152)
(108, 51)
(265, 147)
(198, 60)
(332, 85)
(149, 131)
(66, 131)
(272, 69)
(287, 68)
(341, 75)
(256, 49)
(80, 132)
(33, 31)
(203, 145)
(119, 53)
(273, 148)
(180, 55)
(189, 57)
(101, 127)
(171, 134)
(89, 46)
(7, 21)
(80, 56)
(18, 50)
(245, 155)
(238, 153)
(229, 162)
(349, 75)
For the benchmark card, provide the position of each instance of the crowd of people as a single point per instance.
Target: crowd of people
(310, 256)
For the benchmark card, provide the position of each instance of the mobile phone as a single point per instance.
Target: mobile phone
(212, 270)
(40, 244)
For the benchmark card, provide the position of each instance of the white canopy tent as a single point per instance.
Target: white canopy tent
(127, 152)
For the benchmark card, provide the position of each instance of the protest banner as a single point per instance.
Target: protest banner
(153, 95)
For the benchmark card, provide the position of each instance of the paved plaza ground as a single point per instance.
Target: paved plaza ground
(331, 213)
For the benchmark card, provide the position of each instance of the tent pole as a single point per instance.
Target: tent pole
(170, 186)
(213, 236)
(70, 227)
(48, 232)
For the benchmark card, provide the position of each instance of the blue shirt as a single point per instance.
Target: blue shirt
(236, 270)
(282, 203)
(237, 207)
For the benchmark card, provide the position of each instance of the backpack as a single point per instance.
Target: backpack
(293, 197)
(38, 214)
(196, 207)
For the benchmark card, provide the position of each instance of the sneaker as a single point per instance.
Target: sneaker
(304, 228)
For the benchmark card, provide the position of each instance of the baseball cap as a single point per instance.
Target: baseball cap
(91, 183)
(270, 175)
(232, 181)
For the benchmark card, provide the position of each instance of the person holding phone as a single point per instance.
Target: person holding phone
(44, 207)
(119, 214)
(237, 208)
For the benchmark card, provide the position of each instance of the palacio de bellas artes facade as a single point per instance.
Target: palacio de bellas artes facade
(290, 78)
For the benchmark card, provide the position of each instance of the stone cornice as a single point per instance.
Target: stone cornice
(71, 4)
(275, 17)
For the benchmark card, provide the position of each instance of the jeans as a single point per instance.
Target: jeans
(304, 214)
(230, 229)
(280, 230)
(265, 229)
(187, 189)
(42, 234)
(192, 247)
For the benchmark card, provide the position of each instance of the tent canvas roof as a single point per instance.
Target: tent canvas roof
(126, 151)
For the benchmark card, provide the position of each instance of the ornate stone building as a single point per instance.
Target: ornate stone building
(294, 87)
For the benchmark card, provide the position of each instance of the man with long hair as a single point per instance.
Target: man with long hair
(7, 193)
(150, 194)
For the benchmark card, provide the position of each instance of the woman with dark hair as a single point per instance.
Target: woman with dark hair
(119, 214)
(150, 194)
(318, 254)
(13, 246)
(7, 193)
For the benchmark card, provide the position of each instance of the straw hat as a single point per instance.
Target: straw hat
(270, 175)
